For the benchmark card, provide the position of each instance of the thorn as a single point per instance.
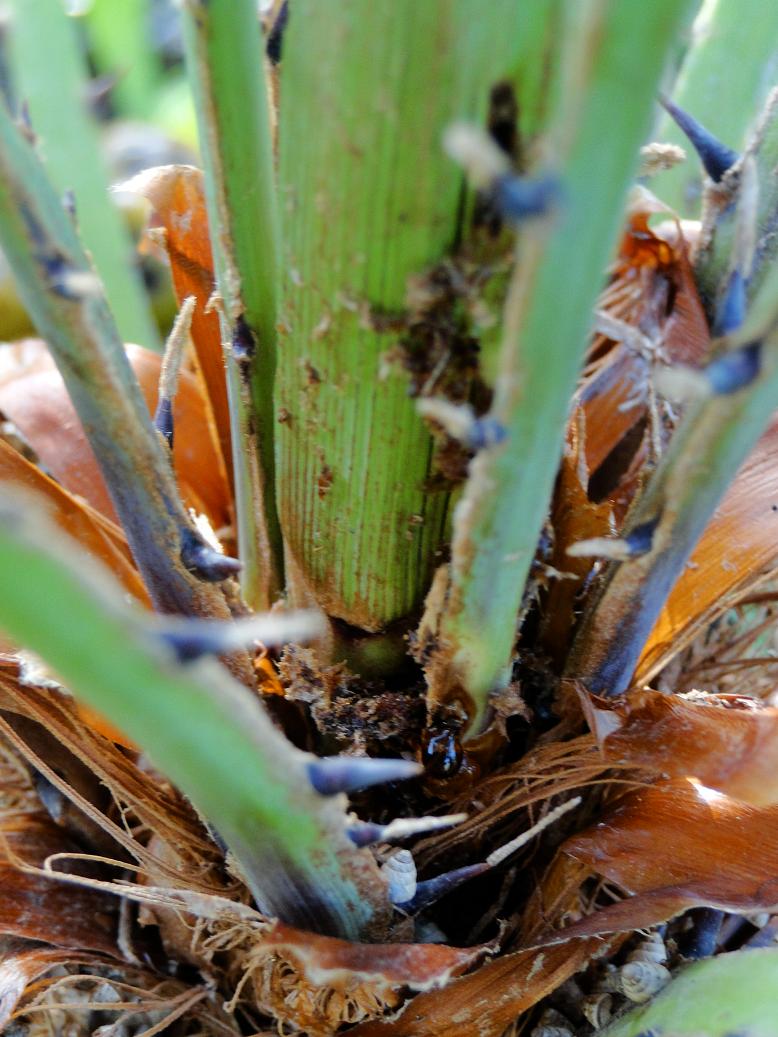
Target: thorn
(69, 203)
(244, 345)
(731, 311)
(163, 419)
(334, 774)
(204, 561)
(431, 890)
(716, 157)
(275, 39)
(175, 350)
(489, 169)
(191, 639)
(735, 369)
(641, 539)
(363, 833)
(460, 422)
(703, 937)
(518, 198)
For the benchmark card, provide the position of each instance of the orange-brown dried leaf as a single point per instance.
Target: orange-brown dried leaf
(737, 550)
(677, 845)
(489, 1000)
(36, 907)
(97, 536)
(177, 197)
(573, 517)
(727, 742)
(652, 290)
(22, 964)
(38, 404)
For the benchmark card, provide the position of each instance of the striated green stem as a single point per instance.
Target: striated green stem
(730, 66)
(730, 994)
(203, 729)
(369, 201)
(612, 59)
(61, 291)
(49, 72)
(224, 55)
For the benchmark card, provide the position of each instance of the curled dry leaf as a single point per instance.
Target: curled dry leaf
(653, 299)
(22, 964)
(38, 405)
(98, 536)
(40, 908)
(177, 198)
(727, 742)
(738, 549)
(673, 846)
(489, 1000)
(319, 983)
(574, 517)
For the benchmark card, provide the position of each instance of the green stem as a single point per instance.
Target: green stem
(50, 76)
(370, 202)
(205, 731)
(65, 298)
(612, 58)
(224, 55)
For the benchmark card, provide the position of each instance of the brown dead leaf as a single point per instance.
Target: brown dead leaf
(22, 963)
(98, 536)
(573, 517)
(738, 549)
(177, 197)
(652, 291)
(38, 404)
(677, 845)
(37, 907)
(489, 1000)
(727, 742)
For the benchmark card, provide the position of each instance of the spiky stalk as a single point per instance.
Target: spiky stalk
(612, 58)
(203, 729)
(65, 297)
(224, 56)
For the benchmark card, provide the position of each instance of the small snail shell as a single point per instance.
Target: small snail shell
(640, 980)
(552, 1024)
(652, 948)
(597, 1009)
(609, 981)
(400, 874)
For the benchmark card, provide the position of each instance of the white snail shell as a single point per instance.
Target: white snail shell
(652, 948)
(400, 874)
(597, 1009)
(640, 980)
(552, 1024)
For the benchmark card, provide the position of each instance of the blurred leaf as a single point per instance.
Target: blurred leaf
(50, 74)
(723, 996)
(38, 404)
